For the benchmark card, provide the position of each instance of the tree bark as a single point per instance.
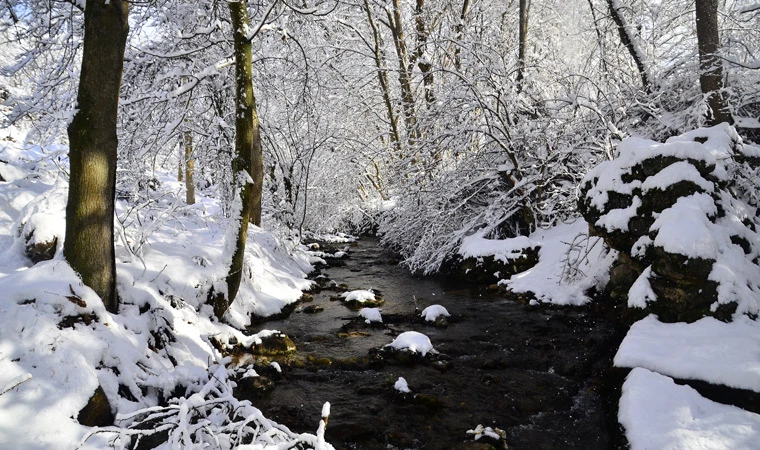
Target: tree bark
(522, 43)
(247, 143)
(89, 245)
(460, 35)
(628, 42)
(404, 74)
(382, 78)
(189, 166)
(710, 65)
(422, 58)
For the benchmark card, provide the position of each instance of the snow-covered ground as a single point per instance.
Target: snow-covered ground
(58, 343)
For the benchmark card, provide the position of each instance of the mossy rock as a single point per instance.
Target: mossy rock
(313, 309)
(356, 305)
(483, 269)
(274, 345)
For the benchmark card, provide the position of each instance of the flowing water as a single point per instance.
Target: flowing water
(535, 372)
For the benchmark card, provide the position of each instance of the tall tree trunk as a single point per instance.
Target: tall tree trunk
(628, 40)
(460, 35)
(89, 245)
(522, 43)
(247, 139)
(382, 78)
(405, 72)
(189, 165)
(710, 65)
(422, 57)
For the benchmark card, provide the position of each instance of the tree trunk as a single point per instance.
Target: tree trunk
(710, 65)
(404, 74)
(247, 140)
(460, 35)
(624, 30)
(422, 57)
(89, 245)
(523, 43)
(382, 77)
(189, 164)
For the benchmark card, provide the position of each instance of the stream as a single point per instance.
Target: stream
(535, 372)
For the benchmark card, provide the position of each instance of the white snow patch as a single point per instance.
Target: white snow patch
(358, 295)
(431, 312)
(659, 414)
(401, 386)
(412, 341)
(552, 280)
(707, 350)
(371, 315)
(503, 250)
(641, 292)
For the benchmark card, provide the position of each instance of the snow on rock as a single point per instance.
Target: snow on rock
(358, 296)
(371, 315)
(412, 341)
(431, 312)
(641, 291)
(707, 350)
(659, 414)
(570, 263)
(683, 208)
(401, 386)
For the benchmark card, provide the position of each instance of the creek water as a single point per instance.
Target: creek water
(536, 372)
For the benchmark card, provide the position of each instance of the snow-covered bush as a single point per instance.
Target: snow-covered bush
(680, 213)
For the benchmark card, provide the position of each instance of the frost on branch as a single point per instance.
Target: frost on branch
(682, 215)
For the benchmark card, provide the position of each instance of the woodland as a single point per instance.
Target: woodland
(174, 174)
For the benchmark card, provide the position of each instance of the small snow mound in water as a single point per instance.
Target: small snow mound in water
(402, 386)
(371, 315)
(359, 296)
(413, 341)
(433, 311)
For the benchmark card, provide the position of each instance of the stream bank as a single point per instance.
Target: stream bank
(538, 373)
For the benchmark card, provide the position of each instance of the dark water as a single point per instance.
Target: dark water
(535, 372)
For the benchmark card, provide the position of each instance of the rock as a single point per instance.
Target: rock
(482, 270)
(312, 309)
(278, 344)
(40, 251)
(253, 387)
(97, 412)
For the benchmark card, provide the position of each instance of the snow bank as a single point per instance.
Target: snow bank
(412, 341)
(659, 414)
(568, 266)
(707, 350)
(502, 250)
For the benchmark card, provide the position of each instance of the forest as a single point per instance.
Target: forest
(366, 224)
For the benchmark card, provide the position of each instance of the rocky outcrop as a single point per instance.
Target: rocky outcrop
(678, 214)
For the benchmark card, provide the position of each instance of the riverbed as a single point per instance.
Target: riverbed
(535, 372)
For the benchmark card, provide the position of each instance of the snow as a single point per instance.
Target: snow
(476, 246)
(358, 295)
(433, 311)
(659, 414)
(707, 350)
(641, 291)
(371, 315)
(167, 259)
(412, 341)
(401, 386)
(684, 228)
(554, 279)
